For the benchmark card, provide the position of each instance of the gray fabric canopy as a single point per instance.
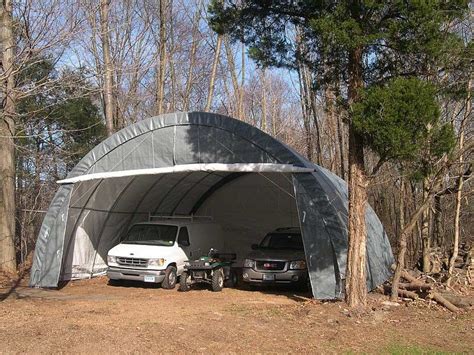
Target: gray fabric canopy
(205, 164)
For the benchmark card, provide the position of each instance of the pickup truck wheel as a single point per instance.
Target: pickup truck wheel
(115, 282)
(218, 280)
(183, 282)
(170, 278)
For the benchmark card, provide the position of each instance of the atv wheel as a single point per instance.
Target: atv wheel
(218, 280)
(170, 278)
(183, 282)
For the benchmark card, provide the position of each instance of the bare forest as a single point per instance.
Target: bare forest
(74, 72)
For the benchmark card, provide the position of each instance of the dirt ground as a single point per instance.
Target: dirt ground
(92, 316)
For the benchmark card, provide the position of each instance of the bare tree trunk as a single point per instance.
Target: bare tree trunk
(438, 225)
(242, 83)
(233, 74)
(171, 52)
(425, 235)
(402, 245)
(305, 113)
(7, 147)
(212, 80)
(108, 67)
(356, 284)
(312, 108)
(192, 60)
(341, 134)
(459, 187)
(264, 100)
(160, 83)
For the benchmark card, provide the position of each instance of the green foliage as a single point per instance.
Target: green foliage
(400, 121)
(397, 37)
(61, 121)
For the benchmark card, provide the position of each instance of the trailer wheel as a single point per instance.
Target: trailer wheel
(217, 280)
(184, 285)
(170, 278)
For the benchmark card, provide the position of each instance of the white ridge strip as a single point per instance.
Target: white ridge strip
(246, 168)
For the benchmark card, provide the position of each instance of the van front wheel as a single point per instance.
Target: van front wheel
(170, 278)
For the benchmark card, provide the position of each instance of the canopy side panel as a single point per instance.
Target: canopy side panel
(319, 250)
(49, 245)
(379, 251)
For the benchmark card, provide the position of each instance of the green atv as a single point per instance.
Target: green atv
(214, 269)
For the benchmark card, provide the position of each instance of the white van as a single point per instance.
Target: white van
(156, 251)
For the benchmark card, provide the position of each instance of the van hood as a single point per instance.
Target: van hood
(269, 254)
(142, 251)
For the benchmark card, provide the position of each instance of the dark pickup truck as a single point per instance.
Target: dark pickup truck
(278, 259)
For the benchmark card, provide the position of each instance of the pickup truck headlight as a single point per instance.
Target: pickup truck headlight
(249, 263)
(156, 262)
(298, 265)
(111, 259)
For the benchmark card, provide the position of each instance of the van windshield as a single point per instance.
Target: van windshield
(151, 234)
(282, 241)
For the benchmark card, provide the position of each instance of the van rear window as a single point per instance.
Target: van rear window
(154, 234)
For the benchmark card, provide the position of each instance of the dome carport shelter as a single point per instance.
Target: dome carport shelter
(201, 164)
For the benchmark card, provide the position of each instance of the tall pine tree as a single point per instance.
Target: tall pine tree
(362, 43)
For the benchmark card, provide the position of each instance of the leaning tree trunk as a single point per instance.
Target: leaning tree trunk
(212, 80)
(459, 186)
(160, 82)
(192, 60)
(425, 235)
(356, 285)
(264, 100)
(7, 147)
(402, 245)
(108, 67)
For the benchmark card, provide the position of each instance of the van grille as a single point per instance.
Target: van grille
(270, 265)
(132, 262)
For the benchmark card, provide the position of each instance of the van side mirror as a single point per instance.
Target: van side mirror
(184, 243)
(254, 246)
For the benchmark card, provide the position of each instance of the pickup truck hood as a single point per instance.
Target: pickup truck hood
(284, 255)
(142, 251)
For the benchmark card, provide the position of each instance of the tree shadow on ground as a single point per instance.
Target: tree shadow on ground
(17, 281)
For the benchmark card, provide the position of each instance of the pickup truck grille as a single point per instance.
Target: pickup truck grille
(270, 265)
(132, 262)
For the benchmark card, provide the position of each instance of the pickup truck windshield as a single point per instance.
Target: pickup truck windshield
(282, 241)
(151, 234)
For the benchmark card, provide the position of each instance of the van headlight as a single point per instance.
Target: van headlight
(111, 259)
(156, 262)
(249, 263)
(298, 265)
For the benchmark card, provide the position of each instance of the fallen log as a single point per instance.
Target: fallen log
(402, 293)
(457, 300)
(415, 287)
(420, 285)
(408, 294)
(443, 301)
(413, 280)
